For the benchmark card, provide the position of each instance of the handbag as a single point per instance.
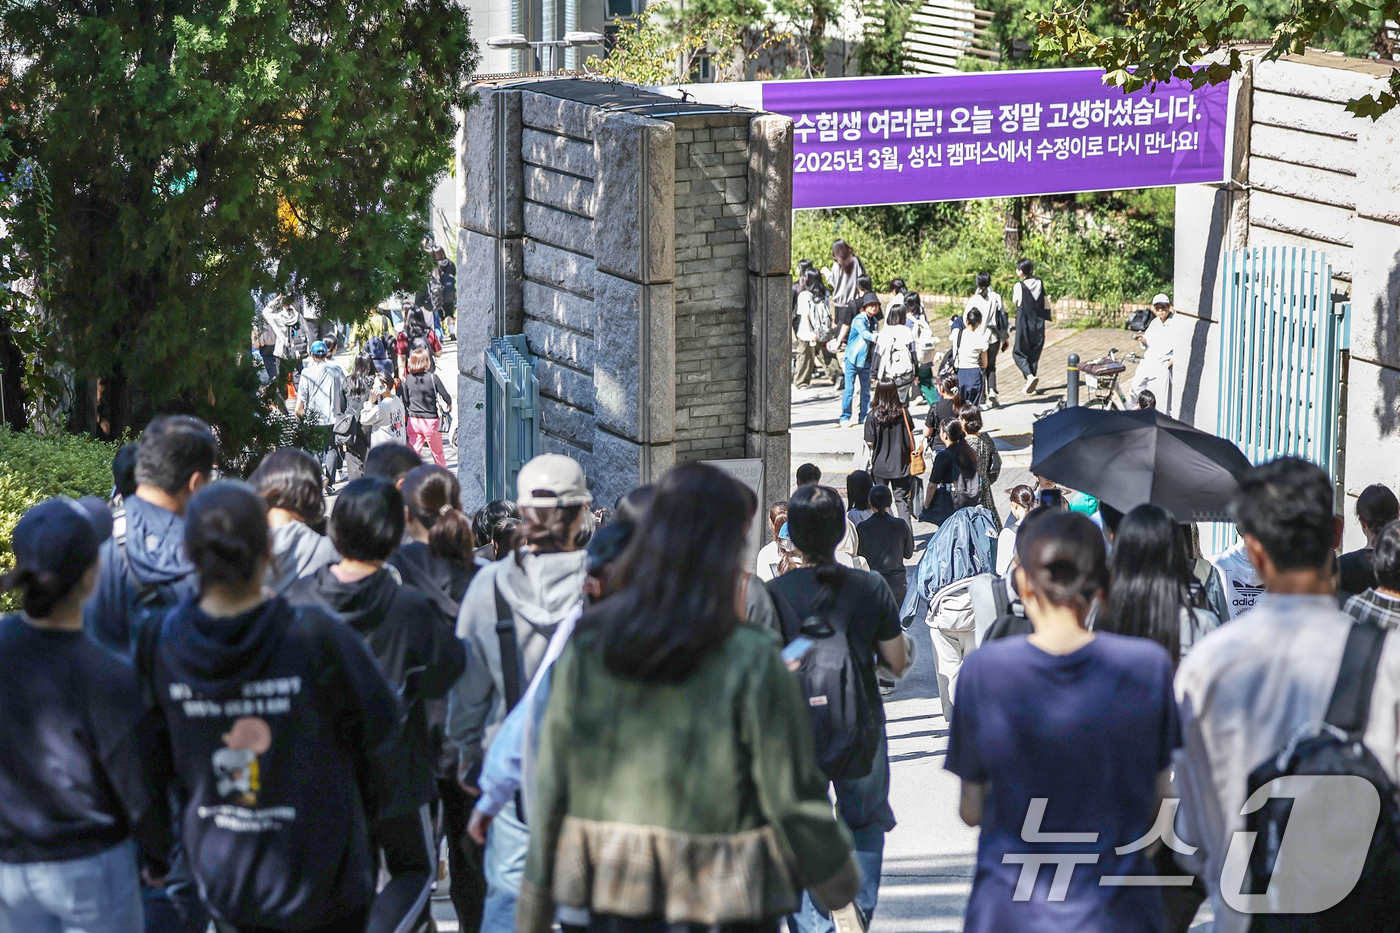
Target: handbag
(916, 454)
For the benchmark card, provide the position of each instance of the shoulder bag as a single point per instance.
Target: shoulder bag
(916, 455)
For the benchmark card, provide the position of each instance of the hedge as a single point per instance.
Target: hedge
(35, 467)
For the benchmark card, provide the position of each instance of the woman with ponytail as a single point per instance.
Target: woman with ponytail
(859, 605)
(439, 562)
(69, 722)
(1079, 723)
(276, 722)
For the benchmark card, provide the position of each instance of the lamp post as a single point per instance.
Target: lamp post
(518, 42)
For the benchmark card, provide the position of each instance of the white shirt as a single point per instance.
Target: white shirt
(971, 343)
(769, 556)
(991, 307)
(388, 420)
(320, 388)
(1160, 340)
(1242, 583)
(806, 324)
(897, 335)
(1243, 691)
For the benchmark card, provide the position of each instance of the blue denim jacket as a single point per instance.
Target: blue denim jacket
(860, 340)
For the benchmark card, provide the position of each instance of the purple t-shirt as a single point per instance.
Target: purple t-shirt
(1088, 732)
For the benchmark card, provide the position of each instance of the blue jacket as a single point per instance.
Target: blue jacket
(964, 546)
(155, 550)
(860, 340)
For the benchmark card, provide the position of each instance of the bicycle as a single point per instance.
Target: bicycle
(1101, 377)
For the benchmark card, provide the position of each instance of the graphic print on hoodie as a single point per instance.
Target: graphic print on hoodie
(277, 719)
(155, 550)
(419, 655)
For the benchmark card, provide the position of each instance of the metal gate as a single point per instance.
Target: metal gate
(1281, 342)
(512, 414)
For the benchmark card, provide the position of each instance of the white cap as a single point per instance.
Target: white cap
(551, 481)
(1161, 299)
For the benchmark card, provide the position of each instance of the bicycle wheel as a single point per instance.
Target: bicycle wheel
(1100, 403)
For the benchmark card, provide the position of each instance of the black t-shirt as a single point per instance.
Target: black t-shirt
(1357, 571)
(885, 541)
(71, 778)
(421, 392)
(845, 314)
(941, 411)
(890, 457)
(946, 468)
(872, 616)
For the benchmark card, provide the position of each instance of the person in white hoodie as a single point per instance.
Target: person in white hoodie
(384, 414)
(530, 594)
(289, 480)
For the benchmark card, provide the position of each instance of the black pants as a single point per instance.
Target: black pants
(899, 585)
(1030, 340)
(899, 488)
(465, 859)
(350, 923)
(608, 923)
(408, 847)
(989, 375)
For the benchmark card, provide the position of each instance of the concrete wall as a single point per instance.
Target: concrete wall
(628, 250)
(1306, 173)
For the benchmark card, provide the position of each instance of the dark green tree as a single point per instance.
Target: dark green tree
(200, 149)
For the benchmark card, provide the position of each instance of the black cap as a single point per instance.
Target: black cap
(61, 536)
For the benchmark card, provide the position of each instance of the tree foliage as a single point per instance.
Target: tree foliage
(661, 46)
(200, 149)
(1159, 40)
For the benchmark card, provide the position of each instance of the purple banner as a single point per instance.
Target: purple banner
(860, 141)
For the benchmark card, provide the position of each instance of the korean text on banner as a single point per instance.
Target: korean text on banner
(859, 141)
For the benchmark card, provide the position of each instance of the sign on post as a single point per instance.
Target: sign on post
(750, 473)
(901, 140)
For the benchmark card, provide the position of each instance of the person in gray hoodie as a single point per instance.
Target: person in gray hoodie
(289, 480)
(532, 591)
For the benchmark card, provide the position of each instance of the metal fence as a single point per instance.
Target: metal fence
(512, 414)
(1281, 343)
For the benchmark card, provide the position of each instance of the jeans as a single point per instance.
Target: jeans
(97, 894)
(507, 842)
(852, 373)
(864, 804)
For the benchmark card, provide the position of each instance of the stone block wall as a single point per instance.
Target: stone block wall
(626, 248)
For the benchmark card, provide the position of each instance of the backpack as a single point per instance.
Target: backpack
(899, 365)
(822, 321)
(844, 723)
(1333, 747)
(152, 601)
(966, 488)
(1139, 320)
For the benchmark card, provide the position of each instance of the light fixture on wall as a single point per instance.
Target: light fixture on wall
(517, 42)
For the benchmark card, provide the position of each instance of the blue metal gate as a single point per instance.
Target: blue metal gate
(1281, 342)
(512, 414)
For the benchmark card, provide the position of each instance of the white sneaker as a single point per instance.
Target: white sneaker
(992, 400)
(1031, 382)
(849, 919)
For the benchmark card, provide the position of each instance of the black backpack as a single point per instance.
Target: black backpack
(1334, 747)
(844, 721)
(966, 488)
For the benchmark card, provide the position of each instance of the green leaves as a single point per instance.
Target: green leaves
(206, 148)
(1161, 39)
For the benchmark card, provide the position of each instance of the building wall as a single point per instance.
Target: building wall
(1308, 174)
(712, 164)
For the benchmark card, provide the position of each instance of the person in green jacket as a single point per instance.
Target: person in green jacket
(676, 779)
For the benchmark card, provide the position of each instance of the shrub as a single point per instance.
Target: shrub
(35, 467)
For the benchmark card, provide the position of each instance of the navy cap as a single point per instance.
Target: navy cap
(607, 545)
(61, 536)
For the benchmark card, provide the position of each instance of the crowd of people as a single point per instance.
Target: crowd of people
(231, 704)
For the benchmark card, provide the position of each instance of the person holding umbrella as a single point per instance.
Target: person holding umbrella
(1154, 373)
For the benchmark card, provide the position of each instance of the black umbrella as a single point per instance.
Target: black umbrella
(1131, 458)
